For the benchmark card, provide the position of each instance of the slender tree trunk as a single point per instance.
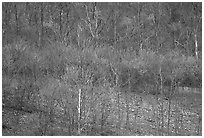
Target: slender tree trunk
(41, 25)
(60, 18)
(176, 123)
(16, 18)
(169, 106)
(169, 116)
(114, 26)
(68, 116)
(118, 103)
(182, 110)
(89, 22)
(196, 44)
(199, 130)
(127, 99)
(157, 109)
(127, 109)
(79, 111)
(181, 121)
(187, 44)
(79, 34)
(102, 115)
(162, 102)
(28, 13)
(140, 32)
(95, 18)
(118, 99)
(96, 23)
(156, 80)
(67, 36)
(116, 83)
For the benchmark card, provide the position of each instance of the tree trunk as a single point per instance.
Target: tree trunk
(60, 18)
(157, 109)
(114, 26)
(169, 106)
(196, 44)
(79, 112)
(16, 18)
(177, 113)
(79, 35)
(187, 43)
(140, 32)
(102, 114)
(29, 13)
(127, 100)
(162, 101)
(41, 25)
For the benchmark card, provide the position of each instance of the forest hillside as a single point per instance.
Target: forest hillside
(94, 69)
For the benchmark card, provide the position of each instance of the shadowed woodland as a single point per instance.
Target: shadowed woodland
(101, 69)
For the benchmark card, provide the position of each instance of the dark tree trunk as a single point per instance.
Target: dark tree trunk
(41, 25)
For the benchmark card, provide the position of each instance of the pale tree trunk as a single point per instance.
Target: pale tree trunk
(196, 44)
(95, 18)
(79, 34)
(198, 19)
(79, 111)
(92, 23)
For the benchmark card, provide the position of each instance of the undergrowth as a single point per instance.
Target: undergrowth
(63, 90)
